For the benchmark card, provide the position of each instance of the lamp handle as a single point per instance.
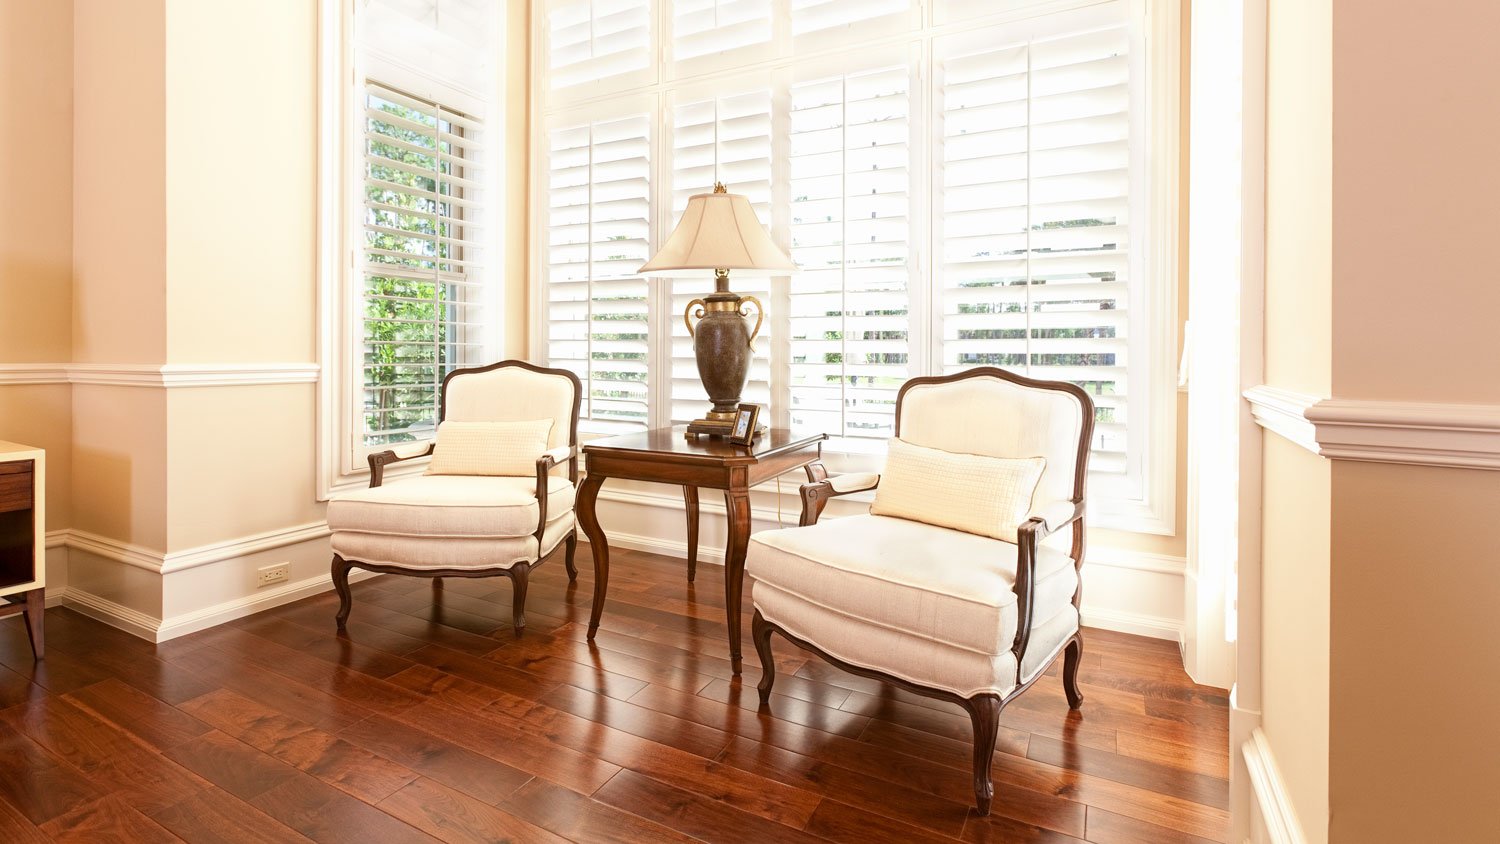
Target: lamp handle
(687, 315)
(760, 316)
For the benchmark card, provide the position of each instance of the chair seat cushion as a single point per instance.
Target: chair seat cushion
(449, 552)
(950, 588)
(468, 506)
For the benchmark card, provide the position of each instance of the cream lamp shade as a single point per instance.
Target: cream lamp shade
(718, 231)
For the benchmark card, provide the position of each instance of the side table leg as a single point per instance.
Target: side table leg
(737, 502)
(588, 496)
(36, 603)
(690, 500)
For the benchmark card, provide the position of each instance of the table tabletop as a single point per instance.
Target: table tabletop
(672, 445)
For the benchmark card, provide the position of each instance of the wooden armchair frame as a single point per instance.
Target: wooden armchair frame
(519, 573)
(984, 709)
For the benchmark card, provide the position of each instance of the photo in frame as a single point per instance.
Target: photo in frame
(746, 424)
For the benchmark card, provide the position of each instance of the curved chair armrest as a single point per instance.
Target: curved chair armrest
(544, 465)
(817, 494)
(407, 451)
(1056, 515)
(1044, 521)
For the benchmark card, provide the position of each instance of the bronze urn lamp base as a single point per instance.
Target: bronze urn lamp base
(723, 346)
(719, 231)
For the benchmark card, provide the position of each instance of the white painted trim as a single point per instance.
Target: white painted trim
(192, 622)
(119, 616)
(113, 549)
(241, 547)
(33, 373)
(160, 375)
(1464, 436)
(157, 630)
(1271, 796)
(167, 563)
(1138, 624)
(1284, 412)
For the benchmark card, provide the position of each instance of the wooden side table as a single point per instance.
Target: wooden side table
(23, 531)
(666, 456)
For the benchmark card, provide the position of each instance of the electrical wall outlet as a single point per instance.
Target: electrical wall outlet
(271, 574)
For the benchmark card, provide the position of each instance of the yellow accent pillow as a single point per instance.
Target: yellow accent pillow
(990, 496)
(489, 448)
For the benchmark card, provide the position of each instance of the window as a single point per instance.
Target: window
(408, 219)
(421, 313)
(960, 183)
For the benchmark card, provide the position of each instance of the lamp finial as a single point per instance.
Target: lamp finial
(719, 188)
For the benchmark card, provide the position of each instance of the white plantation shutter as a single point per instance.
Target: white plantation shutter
(599, 41)
(729, 139)
(705, 27)
(420, 256)
(598, 235)
(825, 18)
(1032, 216)
(850, 182)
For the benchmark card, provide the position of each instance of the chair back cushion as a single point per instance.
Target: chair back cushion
(990, 496)
(513, 393)
(993, 416)
(489, 448)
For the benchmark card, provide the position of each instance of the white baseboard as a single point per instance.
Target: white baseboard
(154, 629)
(1138, 624)
(192, 622)
(1271, 798)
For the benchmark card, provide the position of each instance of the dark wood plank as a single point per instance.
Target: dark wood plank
(451, 815)
(1110, 828)
(437, 759)
(701, 817)
(325, 814)
(38, 785)
(108, 819)
(214, 816)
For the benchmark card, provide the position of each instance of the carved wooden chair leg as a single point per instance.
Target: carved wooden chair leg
(568, 554)
(760, 633)
(984, 711)
(1071, 657)
(340, 573)
(520, 573)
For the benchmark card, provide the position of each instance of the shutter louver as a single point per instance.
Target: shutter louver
(849, 223)
(726, 139)
(420, 254)
(598, 236)
(1032, 223)
(705, 27)
(823, 16)
(598, 40)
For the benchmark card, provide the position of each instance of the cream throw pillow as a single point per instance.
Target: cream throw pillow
(989, 496)
(489, 448)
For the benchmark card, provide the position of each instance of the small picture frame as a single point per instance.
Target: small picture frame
(746, 425)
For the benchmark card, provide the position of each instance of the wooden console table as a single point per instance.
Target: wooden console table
(23, 472)
(666, 456)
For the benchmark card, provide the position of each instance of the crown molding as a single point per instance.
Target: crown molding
(168, 375)
(1463, 436)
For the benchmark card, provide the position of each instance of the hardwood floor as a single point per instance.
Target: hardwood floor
(432, 720)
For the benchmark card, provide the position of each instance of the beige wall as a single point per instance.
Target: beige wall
(1415, 188)
(119, 166)
(1295, 506)
(241, 175)
(1416, 551)
(36, 230)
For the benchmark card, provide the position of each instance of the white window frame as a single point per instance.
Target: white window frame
(1155, 111)
(342, 68)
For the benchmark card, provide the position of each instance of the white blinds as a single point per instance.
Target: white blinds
(812, 16)
(726, 139)
(850, 191)
(705, 27)
(598, 40)
(1032, 217)
(598, 234)
(420, 254)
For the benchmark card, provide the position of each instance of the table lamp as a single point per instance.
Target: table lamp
(719, 231)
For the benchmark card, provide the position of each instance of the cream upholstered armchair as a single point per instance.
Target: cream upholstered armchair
(497, 497)
(945, 588)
